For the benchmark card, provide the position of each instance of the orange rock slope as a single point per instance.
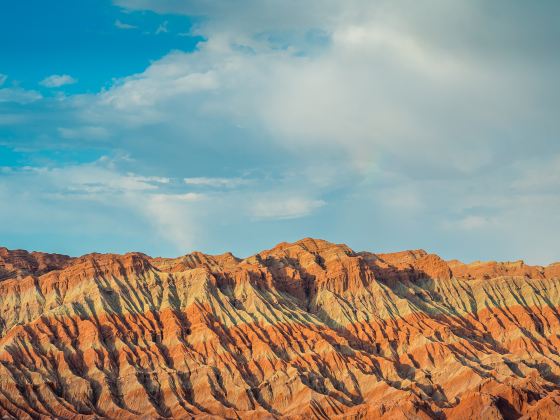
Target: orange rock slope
(304, 330)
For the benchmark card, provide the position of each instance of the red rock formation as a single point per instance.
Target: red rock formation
(21, 263)
(304, 330)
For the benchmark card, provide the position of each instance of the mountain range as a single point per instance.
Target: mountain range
(304, 330)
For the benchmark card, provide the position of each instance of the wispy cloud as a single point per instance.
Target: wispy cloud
(85, 195)
(3, 79)
(19, 95)
(172, 220)
(95, 179)
(216, 182)
(289, 207)
(470, 222)
(162, 28)
(84, 132)
(58, 80)
(123, 25)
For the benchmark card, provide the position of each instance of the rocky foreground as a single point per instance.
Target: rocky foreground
(304, 330)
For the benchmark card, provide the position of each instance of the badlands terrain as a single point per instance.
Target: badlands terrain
(308, 330)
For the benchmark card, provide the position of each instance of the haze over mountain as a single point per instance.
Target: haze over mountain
(309, 329)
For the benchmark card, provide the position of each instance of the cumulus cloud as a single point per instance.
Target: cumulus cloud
(58, 80)
(383, 83)
(145, 98)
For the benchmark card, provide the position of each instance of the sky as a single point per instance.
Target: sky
(167, 126)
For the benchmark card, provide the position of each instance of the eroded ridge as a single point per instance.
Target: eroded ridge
(304, 330)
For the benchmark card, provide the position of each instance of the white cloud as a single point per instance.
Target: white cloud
(123, 25)
(469, 223)
(190, 197)
(377, 88)
(19, 95)
(172, 219)
(58, 80)
(216, 182)
(274, 207)
(164, 82)
(87, 132)
(95, 179)
(70, 196)
(162, 28)
(3, 79)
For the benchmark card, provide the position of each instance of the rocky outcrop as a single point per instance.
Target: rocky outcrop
(20, 263)
(304, 330)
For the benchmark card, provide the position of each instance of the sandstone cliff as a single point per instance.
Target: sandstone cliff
(304, 330)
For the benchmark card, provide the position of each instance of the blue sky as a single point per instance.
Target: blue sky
(172, 125)
(84, 39)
